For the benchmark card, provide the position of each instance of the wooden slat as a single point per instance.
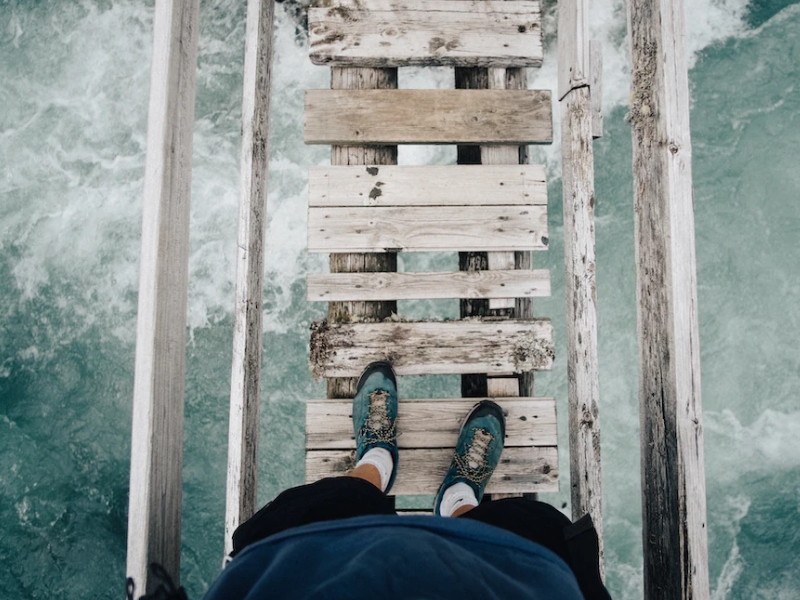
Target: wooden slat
(245, 399)
(432, 423)
(674, 515)
(154, 512)
(499, 261)
(421, 229)
(420, 471)
(500, 387)
(395, 33)
(574, 62)
(428, 117)
(452, 185)
(331, 287)
(432, 347)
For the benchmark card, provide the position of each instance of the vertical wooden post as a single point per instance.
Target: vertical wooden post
(247, 334)
(154, 515)
(673, 478)
(363, 79)
(579, 257)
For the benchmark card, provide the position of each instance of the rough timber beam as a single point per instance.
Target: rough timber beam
(247, 334)
(579, 258)
(673, 478)
(154, 514)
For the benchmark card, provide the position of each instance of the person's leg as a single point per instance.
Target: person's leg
(363, 490)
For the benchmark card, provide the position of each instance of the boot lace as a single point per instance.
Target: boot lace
(472, 465)
(379, 426)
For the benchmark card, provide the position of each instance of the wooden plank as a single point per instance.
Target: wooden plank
(432, 423)
(673, 478)
(574, 62)
(451, 185)
(391, 33)
(428, 117)
(583, 385)
(154, 513)
(424, 229)
(354, 78)
(245, 399)
(421, 471)
(324, 287)
(432, 347)
(596, 87)
(497, 261)
(500, 387)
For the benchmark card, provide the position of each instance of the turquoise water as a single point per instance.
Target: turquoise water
(75, 77)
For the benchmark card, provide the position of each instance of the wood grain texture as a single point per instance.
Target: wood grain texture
(420, 471)
(574, 60)
(432, 347)
(583, 383)
(324, 287)
(452, 185)
(673, 478)
(356, 78)
(432, 422)
(154, 513)
(428, 117)
(424, 229)
(242, 481)
(384, 33)
(596, 87)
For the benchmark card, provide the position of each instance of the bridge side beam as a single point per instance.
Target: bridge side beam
(154, 515)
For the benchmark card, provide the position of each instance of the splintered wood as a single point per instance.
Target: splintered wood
(393, 33)
(433, 347)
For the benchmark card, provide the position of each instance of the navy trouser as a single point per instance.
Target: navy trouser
(346, 497)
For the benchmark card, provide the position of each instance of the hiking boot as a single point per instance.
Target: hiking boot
(375, 412)
(477, 452)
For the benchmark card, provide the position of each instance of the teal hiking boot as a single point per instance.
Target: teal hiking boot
(477, 452)
(375, 412)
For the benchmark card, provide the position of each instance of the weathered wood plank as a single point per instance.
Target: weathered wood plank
(154, 514)
(498, 261)
(432, 347)
(245, 399)
(390, 33)
(421, 229)
(574, 61)
(451, 185)
(355, 78)
(433, 423)
(673, 478)
(428, 117)
(500, 387)
(596, 87)
(421, 471)
(324, 287)
(583, 383)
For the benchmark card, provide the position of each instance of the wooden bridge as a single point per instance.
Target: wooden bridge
(490, 208)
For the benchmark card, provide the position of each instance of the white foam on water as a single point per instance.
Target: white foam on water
(737, 508)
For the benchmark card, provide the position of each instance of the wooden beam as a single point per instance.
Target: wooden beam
(574, 59)
(428, 117)
(421, 471)
(596, 88)
(673, 478)
(427, 229)
(432, 347)
(583, 385)
(435, 185)
(433, 423)
(355, 78)
(154, 514)
(241, 498)
(326, 287)
(390, 33)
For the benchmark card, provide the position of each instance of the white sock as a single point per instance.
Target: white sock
(456, 496)
(381, 459)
